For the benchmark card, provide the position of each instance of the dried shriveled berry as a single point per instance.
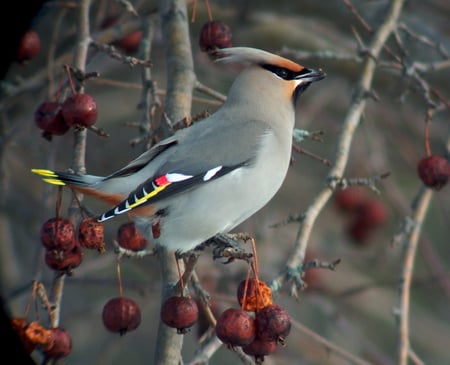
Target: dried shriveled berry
(257, 296)
(273, 323)
(80, 110)
(29, 46)
(259, 348)
(235, 327)
(58, 233)
(60, 344)
(180, 313)
(48, 117)
(214, 34)
(91, 234)
(19, 325)
(121, 315)
(37, 334)
(130, 238)
(64, 260)
(434, 171)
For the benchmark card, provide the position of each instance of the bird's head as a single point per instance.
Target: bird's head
(270, 71)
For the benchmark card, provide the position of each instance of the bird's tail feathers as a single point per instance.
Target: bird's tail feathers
(65, 178)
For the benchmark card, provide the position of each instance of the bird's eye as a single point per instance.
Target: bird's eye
(282, 72)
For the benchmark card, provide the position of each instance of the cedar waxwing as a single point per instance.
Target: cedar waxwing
(209, 177)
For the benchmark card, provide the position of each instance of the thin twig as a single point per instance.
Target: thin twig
(330, 346)
(406, 275)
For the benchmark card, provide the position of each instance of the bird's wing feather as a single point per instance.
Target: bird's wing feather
(228, 143)
(141, 161)
(194, 159)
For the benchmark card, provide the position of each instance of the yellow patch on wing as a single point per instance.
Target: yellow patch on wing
(148, 196)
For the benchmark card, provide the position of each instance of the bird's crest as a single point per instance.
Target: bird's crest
(248, 56)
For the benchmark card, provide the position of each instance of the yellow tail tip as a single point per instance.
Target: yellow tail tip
(49, 176)
(43, 172)
(55, 182)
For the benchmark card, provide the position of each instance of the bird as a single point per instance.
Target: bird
(211, 176)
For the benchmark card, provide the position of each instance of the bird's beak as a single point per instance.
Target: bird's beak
(304, 79)
(310, 75)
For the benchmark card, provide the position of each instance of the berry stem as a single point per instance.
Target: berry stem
(208, 9)
(77, 200)
(427, 133)
(119, 277)
(194, 11)
(255, 258)
(57, 94)
(69, 75)
(58, 201)
(244, 298)
(180, 276)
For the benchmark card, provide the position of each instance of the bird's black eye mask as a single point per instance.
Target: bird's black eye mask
(285, 73)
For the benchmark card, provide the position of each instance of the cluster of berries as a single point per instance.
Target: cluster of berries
(258, 326)
(54, 118)
(64, 253)
(366, 213)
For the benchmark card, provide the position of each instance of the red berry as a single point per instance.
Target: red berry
(131, 42)
(235, 327)
(130, 238)
(80, 110)
(367, 218)
(48, 117)
(64, 260)
(60, 344)
(434, 171)
(371, 213)
(180, 313)
(214, 34)
(260, 348)
(29, 46)
(121, 315)
(273, 323)
(58, 233)
(349, 199)
(359, 232)
(91, 234)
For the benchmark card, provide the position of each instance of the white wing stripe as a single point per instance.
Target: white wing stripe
(175, 177)
(210, 174)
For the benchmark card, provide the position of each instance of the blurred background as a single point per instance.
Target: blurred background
(353, 306)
